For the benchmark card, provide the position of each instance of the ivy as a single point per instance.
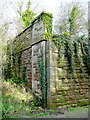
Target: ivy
(19, 62)
(85, 50)
(72, 49)
(42, 77)
(17, 80)
(47, 19)
(24, 75)
(37, 100)
(64, 40)
(69, 54)
(7, 71)
(76, 52)
(76, 49)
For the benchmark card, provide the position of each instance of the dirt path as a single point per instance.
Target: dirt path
(77, 113)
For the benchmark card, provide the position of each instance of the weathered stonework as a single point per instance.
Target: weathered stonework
(63, 88)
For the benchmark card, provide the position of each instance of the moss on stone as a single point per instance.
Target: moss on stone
(83, 102)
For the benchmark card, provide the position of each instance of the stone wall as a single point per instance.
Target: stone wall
(67, 89)
(35, 59)
(27, 59)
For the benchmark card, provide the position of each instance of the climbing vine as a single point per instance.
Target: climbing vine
(69, 54)
(47, 19)
(76, 49)
(72, 49)
(65, 40)
(24, 75)
(85, 50)
(7, 71)
(19, 62)
(42, 77)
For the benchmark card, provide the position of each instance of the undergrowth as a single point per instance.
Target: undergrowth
(15, 100)
(17, 103)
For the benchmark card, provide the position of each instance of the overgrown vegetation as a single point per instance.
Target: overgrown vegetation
(71, 40)
(15, 99)
(27, 16)
(85, 50)
(19, 62)
(17, 103)
(12, 72)
(64, 40)
(72, 49)
(42, 78)
(47, 19)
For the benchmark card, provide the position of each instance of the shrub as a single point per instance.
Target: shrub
(17, 80)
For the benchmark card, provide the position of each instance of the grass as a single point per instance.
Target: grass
(77, 108)
(16, 91)
(17, 103)
(15, 100)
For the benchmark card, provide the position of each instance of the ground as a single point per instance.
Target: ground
(77, 112)
(17, 103)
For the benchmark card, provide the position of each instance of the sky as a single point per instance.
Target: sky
(8, 8)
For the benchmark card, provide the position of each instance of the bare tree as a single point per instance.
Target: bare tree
(72, 16)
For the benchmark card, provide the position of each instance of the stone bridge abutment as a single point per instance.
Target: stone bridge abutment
(35, 59)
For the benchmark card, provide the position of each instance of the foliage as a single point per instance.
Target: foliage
(65, 40)
(37, 100)
(16, 80)
(19, 62)
(72, 47)
(85, 50)
(15, 100)
(7, 71)
(18, 103)
(27, 16)
(47, 19)
(13, 74)
(24, 75)
(3, 41)
(72, 19)
(77, 108)
(42, 78)
(17, 91)
(69, 54)
(69, 37)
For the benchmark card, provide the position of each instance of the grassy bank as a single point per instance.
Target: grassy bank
(15, 100)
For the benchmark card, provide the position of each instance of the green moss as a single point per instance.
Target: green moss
(42, 78)
(83, 102)
(62, 92)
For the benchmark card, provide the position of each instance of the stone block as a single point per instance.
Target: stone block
(83, 102)
(62, 88)
(63, 92)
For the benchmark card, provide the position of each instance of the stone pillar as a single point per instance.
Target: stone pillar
(51, 74)
(41, 37)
